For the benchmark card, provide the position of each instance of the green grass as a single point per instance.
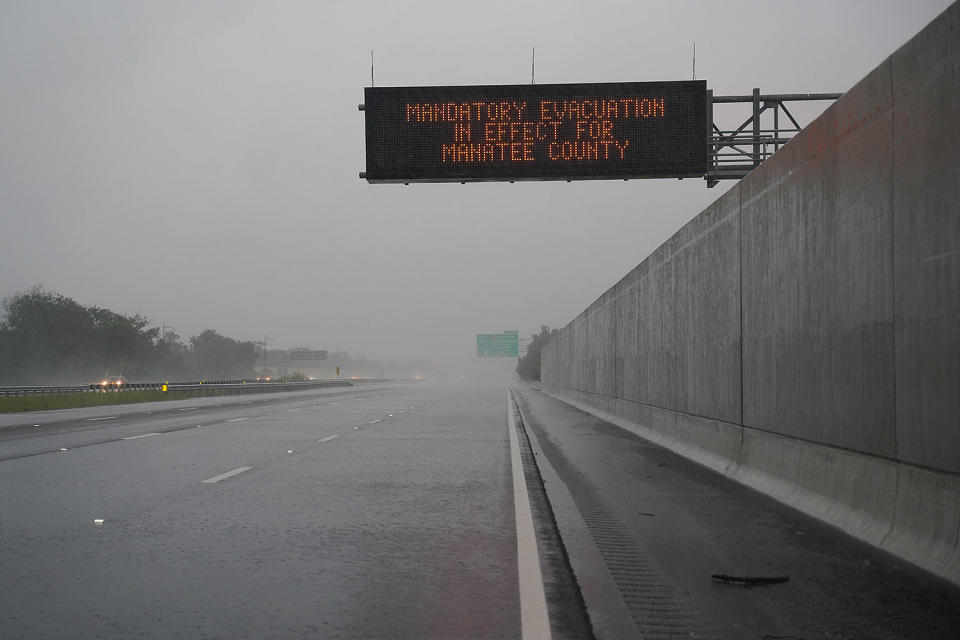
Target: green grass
(14, 404)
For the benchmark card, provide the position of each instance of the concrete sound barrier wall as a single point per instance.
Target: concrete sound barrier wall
(802, 334)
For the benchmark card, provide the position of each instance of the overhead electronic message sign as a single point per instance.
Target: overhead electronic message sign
(536, 132)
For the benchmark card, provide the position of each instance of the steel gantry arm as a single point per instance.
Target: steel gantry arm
(734, 153)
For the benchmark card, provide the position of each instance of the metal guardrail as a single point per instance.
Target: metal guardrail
(254, 387)
(37, 390)
(222, 386)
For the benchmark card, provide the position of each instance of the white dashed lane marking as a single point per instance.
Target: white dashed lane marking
(228, 474)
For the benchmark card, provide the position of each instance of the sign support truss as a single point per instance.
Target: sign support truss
(735, 153)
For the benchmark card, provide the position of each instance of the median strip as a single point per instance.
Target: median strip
(228, 474)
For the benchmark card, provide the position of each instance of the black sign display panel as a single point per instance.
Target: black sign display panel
(536, 132)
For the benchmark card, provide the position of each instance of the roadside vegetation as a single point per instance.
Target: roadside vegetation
(13, 404)
(16, 404)
(528, 367)
(47, 338)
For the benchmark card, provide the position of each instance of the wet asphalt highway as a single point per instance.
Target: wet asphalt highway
(389, 512)
(646, 530)
(363, 513)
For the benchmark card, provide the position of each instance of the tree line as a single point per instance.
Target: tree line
(528, 367)
(47, 338)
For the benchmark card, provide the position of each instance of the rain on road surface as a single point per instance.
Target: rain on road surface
(370, 512)
(389, 511)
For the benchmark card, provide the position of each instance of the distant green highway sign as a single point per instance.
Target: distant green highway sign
(498, 345)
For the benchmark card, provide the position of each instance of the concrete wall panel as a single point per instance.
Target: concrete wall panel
(706, 312)
(926, 188)
(817, 279)
(627, 367)
(655, 335)
(607, 349)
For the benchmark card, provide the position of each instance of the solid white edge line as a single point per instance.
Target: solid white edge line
(228, 474)
(328, 438)
(145, 435)
(237, 419)
(534, 620)
(375, 421)
(104, 418)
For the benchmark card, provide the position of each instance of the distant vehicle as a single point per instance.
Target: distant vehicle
(113, 382)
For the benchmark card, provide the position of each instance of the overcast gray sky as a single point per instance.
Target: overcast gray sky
(196, 162)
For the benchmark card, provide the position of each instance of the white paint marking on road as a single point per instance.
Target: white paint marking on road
(375, 421)
(188, 408)
(332, 403)
(95, 419)
(292, 410)
(534, 621)
(237, 419)
(248, 402)
(327, 439)
(145, 435)
(228, 474)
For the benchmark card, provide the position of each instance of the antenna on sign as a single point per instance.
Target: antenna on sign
(694, 60)
(372, 83)
(533, 66)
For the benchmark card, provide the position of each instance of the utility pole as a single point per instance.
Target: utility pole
(265, 340)
(164, 327)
